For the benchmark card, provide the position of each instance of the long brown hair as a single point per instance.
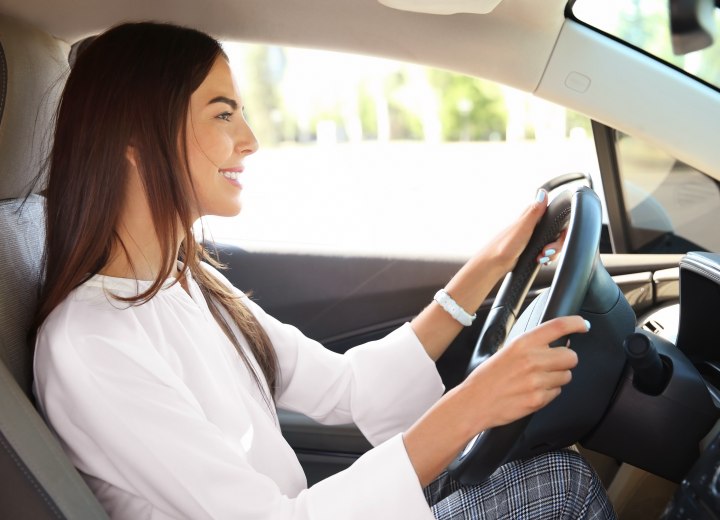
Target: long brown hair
(132, 86)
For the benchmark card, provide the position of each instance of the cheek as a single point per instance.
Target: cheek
(211, 149)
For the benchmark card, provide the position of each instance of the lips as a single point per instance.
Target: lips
(232, 173)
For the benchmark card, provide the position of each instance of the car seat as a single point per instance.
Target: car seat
(37, 480)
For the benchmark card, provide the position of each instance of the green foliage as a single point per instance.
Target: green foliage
(264, 67)
(368, 113)
(404, 122)
(577, 120)
(470, 109)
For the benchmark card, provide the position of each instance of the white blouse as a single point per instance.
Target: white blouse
(156, 409)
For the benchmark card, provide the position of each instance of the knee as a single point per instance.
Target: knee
(577, 484)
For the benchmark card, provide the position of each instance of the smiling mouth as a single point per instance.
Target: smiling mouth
(231, 175)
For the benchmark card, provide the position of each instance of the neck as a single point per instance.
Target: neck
(137, 252)
(135, 255)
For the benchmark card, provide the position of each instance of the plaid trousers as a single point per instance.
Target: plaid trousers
(555, 485)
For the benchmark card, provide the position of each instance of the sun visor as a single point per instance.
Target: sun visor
(443, 6)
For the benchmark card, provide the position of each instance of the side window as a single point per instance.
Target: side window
(672, 207)
(375, 157)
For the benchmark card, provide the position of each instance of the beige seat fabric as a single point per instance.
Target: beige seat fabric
(36, 479)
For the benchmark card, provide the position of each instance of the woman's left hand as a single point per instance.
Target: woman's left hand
(506, 247)
(470, 286)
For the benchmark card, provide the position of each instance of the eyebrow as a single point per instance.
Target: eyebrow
(222, 99)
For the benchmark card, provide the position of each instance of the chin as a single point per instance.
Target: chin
(228, 208)
(225, 212)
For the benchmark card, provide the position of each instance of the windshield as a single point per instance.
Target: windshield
(645, 24)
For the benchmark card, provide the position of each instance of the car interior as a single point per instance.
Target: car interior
(644, 407)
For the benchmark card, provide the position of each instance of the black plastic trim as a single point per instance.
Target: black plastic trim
(618, 222)
(3, 81)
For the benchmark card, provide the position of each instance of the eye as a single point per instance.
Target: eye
(225, 116)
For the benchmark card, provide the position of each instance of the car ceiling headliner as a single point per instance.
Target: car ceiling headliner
(517, 32)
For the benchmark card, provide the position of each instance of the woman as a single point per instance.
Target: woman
(161, 379)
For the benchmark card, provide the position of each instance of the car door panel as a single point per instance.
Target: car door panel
(338, 299)
(344, 301)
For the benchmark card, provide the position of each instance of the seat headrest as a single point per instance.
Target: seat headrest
(33, 68)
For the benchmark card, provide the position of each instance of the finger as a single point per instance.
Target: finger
(543, 398)
(547, 380)
(511, 241)
(551, 394)
(541, 198)
(547, 332)
(552, 250)
(548, 254)
(562, 237)
(534, 212)
(558, 244)
(560, 358)
(557, 379)
(539, 205)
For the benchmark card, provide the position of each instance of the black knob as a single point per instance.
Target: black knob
(650, 372)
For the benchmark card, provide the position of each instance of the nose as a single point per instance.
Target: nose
(246, 143)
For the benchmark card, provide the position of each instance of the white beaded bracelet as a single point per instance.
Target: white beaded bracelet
(453, 309)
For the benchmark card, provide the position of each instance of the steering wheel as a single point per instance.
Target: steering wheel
(580, 281)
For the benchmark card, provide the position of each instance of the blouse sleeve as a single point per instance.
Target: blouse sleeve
(383, 386)
(153, 441)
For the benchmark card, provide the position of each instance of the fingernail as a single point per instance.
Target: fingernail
(587, 324)
(544, 260)
(549, 252)
(540, 196)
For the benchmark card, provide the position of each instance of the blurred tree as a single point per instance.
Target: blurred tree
(470, 109)
(404, 121)
(264, 67)
(368, 111)
(577, 120)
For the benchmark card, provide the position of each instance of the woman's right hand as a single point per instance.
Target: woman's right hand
(522, 377)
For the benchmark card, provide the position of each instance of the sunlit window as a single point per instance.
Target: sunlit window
(371, 156)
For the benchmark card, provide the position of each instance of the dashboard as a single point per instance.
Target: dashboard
(691, 327)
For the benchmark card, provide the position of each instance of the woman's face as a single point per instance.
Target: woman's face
(218, 140)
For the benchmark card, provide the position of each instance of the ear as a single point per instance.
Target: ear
(131, 155)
